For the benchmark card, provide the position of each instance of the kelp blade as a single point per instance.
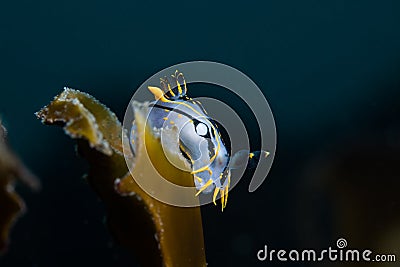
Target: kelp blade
(158, 234)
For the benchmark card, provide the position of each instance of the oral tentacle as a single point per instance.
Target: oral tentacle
(204, 187)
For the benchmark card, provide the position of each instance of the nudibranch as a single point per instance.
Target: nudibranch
(199, 139)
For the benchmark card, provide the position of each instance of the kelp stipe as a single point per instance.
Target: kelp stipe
(158, 234)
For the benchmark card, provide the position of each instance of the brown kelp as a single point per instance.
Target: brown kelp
(158, 234)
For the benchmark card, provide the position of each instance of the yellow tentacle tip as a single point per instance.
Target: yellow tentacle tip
(216, 190)
(198, 179)
(222, 198)
(226, 196)
(157, 92)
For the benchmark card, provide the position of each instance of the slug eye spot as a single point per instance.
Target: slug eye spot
(201, 129)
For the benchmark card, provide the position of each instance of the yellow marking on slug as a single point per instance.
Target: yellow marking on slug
(204, 187)
(165, 118)
(157, 92)
(175, 76)
(251, 155)
(213, 157)
(179, 116)
(166, 110)
(198, 179)
(184, 81)
(216, 190)
(226, 196)
(227, 190)
(222, 198)
(132, 133)
(172, 122)
(170, 90)
(179, 88)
